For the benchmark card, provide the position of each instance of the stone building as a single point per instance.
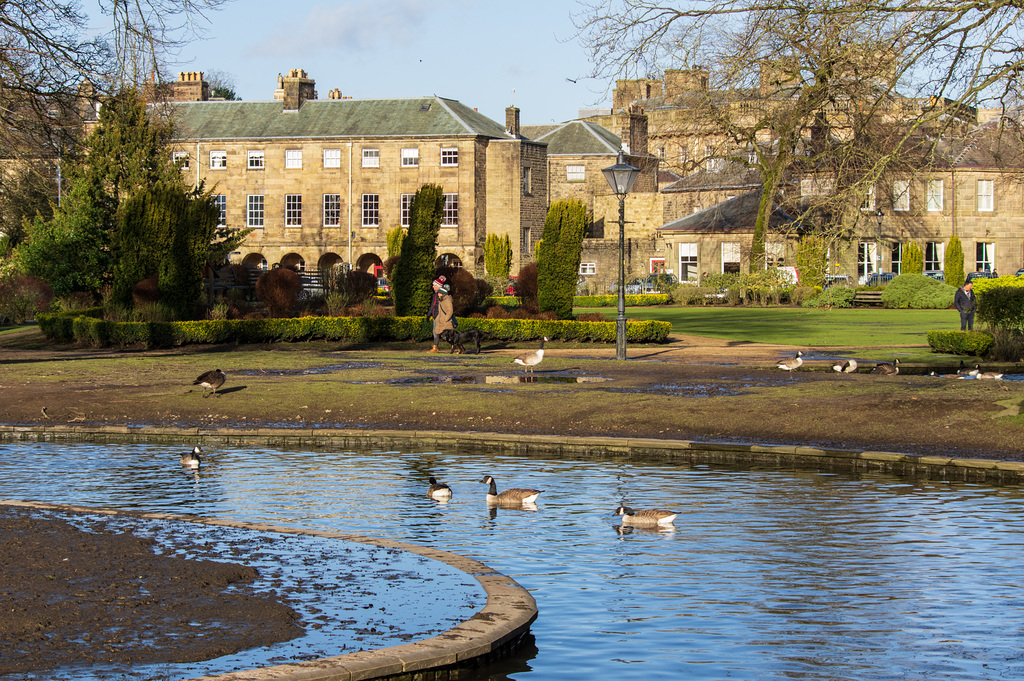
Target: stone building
(322, 182)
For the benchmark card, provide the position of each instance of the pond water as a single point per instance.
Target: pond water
(767, 574)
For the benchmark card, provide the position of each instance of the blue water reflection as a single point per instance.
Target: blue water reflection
(767, 574)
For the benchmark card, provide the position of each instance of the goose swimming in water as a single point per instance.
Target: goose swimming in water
(510, 497)
(887, 368)
(438, 490)
(645, 518)
(192, 459)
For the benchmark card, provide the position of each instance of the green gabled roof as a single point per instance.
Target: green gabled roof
(331, 118)
(574, 138)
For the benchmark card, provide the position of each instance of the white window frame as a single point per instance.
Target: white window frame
(332, 210)
(774, 254)
(986, 196)
(370, 210)
(221, 200)
(939, 249)
(984, 256)
(934, 195)
(332, 158)
(588, 268)
(293, 159)
(255, 159)
(406, 204)
(575, 173)
(897, 251)
(732, 253)
(867, 259)
(450, 212)
(293, 210)
(181, 159)
(449, 157)
(255, 210)
(371, 157)
(901, 195)
(689, 254)
(868, 203)
(411, 157)
(218, 160)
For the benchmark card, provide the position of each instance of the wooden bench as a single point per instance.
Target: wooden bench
(867, 298)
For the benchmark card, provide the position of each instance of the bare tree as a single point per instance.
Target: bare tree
(838, 92)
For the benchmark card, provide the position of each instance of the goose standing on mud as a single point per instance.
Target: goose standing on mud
(517, 496)
(792, 364)
(211, 379)
(439, 490)
(531, 359)
(652, 517)
(192, 459)
(848, 367)
(887, 368)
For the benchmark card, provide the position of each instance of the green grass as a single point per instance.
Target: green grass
(799, 326)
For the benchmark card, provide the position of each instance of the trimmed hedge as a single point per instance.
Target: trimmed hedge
(974, 343)
(645, 300)
(1001, 306)
(99, 332)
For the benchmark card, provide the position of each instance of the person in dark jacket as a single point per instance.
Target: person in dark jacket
(966, 305)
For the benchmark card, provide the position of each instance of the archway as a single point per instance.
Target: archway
(448, 260)
(370, 262)
(329, 260)
(255, 261)
(295, 261)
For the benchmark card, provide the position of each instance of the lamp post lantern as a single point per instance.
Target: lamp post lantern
(878, 245)
(621, 177)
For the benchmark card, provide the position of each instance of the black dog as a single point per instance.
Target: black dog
(458, 339)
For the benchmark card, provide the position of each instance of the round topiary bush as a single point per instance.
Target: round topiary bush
(917, 291)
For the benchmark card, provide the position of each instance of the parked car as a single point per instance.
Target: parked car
(634, 287)
(657, 283)
(838, 280)
(879, 278)
(935, 274)
(383, 286)
(981, 275)
(1020, 272)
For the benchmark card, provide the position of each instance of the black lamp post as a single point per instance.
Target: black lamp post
(878, 256)
(621, 177)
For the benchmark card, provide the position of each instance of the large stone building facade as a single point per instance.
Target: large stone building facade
(322, 182)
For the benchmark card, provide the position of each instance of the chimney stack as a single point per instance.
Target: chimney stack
(512, 121)
(294, 89)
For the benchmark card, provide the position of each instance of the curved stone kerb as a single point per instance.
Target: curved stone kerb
(492, 631)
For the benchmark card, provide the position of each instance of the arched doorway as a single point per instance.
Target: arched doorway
(255, 261)
(370, 262)
(329, 260)
(295, 261)
(448, 260)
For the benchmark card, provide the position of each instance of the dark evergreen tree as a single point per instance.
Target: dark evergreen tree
(414, 271)
(558, 256)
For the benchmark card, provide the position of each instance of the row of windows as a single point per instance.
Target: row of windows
(255, 213)
(256, 158)
(934, 195)
(934, 256)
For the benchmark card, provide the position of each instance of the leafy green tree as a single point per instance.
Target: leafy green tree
(913, 259)
(954, 269)
(395, 237)
(414, 271)
(558, 256)
(498, 255)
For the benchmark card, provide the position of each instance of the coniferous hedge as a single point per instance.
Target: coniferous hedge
(558, 256)
(414, 271)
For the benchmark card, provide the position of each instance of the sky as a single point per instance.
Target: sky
(483, 53)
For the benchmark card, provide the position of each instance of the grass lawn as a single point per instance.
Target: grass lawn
(799, 326)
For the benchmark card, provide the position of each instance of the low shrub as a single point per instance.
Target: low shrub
(22, 297)
(1007, 345)
(279, 290)
(835, 296)
(645, 300)
(974, 343)
(1002, 306)
(919, 292)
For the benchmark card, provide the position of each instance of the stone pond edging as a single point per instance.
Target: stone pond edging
(491, 633)
(648, 449)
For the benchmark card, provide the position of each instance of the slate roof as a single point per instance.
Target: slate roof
(735, 215)
(574, 138)
(734, 175)
(332, 118)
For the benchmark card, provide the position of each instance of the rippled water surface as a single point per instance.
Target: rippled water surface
(767, 574)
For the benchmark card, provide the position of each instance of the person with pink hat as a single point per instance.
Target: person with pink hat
(441, 310)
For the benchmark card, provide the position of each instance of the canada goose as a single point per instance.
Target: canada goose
(887, 368)
(192, 459)
(964, 371)
(510, 497)
(646, 518)
(531, 359)
(211, 379)
(438, 490)
(791, 364)
(848, 367)
(989, 375)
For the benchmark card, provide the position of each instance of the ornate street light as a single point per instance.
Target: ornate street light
(621, 177)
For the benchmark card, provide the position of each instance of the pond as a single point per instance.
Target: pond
(767, 574)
